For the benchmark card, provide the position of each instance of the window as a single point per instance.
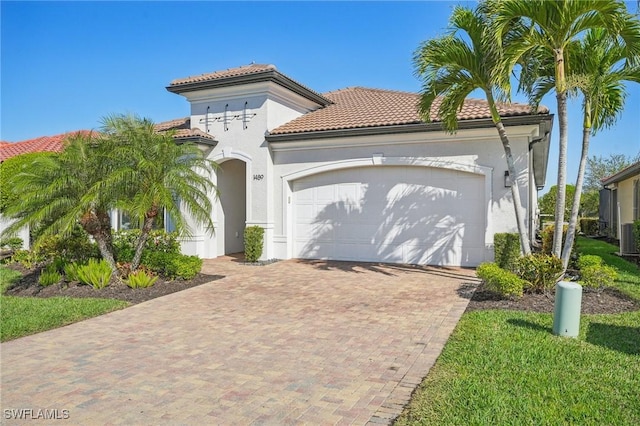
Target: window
(126, 222)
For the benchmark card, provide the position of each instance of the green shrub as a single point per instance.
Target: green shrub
(589, 225)
(75, 247)
(540, 271)
(597, 277)
(501, 281)
(161, 263)
(24, 257)
(586, 260)
(171, 265)
(141, 279)
(49, 276)
(547, 238)
(95, 273)
(506, 249)
(636, 233)
(71, 271)
(13, 243)
(253, 242)
(187, 267)
(159, 241)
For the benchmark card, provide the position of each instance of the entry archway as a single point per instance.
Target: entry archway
(232, 206)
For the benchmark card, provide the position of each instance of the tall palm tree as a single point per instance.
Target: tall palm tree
(550, 27)
(59, 191)
(153, 172)
(453, 66)
(599, 75)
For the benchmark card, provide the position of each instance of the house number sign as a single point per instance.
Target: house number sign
(258, 177)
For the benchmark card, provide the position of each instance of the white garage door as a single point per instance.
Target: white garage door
(416, 215)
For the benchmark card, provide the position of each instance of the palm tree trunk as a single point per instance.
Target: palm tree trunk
(573, 221)
(525, 244)
(562, 173)
(105, 251)
(144, 235)
(98, 225)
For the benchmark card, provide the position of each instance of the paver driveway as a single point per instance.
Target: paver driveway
(294, 342)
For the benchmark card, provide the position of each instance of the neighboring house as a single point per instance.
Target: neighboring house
(355, 174)
(620, 206)
(41, 144)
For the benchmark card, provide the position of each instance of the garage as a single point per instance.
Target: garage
(395, 214)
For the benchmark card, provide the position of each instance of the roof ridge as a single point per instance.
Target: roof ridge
(370, 89)
(258, 67)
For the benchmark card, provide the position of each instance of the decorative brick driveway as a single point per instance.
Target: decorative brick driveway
(293, 342)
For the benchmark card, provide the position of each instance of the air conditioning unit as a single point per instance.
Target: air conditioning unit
(627, 240)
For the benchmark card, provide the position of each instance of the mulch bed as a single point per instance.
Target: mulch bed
(609, 301)
(28, 286)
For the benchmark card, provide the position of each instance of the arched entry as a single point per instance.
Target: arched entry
(232, 206)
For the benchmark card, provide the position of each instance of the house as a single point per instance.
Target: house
(40, 144)
(620, 206)
(355, 174)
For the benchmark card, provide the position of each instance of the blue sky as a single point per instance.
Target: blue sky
(67, 64)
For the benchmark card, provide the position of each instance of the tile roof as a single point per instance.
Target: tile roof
(246, 74)
(359, 107)
(231, 72)
(182, 129)
(181, 126)
(41, 144)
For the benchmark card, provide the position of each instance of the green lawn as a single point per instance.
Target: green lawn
(21, 316)
(502, 367)
(628, 280)
(506, 367)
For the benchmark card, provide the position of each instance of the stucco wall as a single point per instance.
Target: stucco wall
(625, 199)
(238, 118)
(470, 147)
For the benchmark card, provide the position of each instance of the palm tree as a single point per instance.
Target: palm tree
(550, 27)
(600, 75)
(153, 171)
(57, 192)
(452, 67)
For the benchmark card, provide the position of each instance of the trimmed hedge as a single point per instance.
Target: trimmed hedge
(501, 281)
(253, 243)
(172, 265)
(589, 225)
(506, 249)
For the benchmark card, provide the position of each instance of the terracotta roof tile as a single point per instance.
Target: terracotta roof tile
(231, 72)
(178, 123)
(41, 144)
(359, 107)
(182, 129)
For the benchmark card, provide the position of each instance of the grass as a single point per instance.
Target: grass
(21, 316)
(506, 367)
(628, 280)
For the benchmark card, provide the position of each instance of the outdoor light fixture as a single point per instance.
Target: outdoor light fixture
(507, 179)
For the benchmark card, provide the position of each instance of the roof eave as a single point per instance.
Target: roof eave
(408, 128)
(630, 171)
(540, 151)
(268, 75)
(198, 140)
